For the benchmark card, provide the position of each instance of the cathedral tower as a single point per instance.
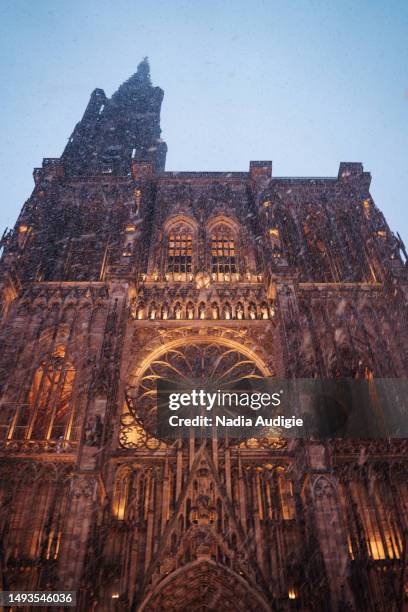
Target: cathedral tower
(118, 274)
(114, 131)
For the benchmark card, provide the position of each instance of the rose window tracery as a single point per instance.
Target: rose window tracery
(209, 363)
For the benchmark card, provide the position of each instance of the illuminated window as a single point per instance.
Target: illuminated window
(179, 257)
(382, 535)
(292, 594)
(366, 207)
(36, 512)
(47, 415)
(287, 499)
(120, 496)
(223, 255)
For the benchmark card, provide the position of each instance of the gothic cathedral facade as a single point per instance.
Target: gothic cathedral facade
(118, 274)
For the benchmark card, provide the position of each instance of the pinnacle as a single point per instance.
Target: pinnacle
(143, 68)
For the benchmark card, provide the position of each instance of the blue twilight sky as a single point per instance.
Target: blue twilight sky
(305, 83)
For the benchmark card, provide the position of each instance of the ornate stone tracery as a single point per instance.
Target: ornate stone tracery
(118, 273)
(204, 358)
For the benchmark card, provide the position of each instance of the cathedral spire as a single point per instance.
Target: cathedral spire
(143, 70)
(139, 81)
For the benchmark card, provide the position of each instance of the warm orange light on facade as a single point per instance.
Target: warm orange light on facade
(120, 498)
(350, 547)
(376, 548)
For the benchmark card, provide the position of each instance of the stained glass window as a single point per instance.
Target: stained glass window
(179, 253)
(223, 255)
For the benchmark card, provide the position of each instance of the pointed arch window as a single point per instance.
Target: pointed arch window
(286, 496)
(48, 412)
(381, 533)
(121, 493)
(50, 398)
(223, 254)
(37, 509)
(180, 252)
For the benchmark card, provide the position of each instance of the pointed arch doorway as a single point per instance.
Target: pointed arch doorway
(201, 586)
